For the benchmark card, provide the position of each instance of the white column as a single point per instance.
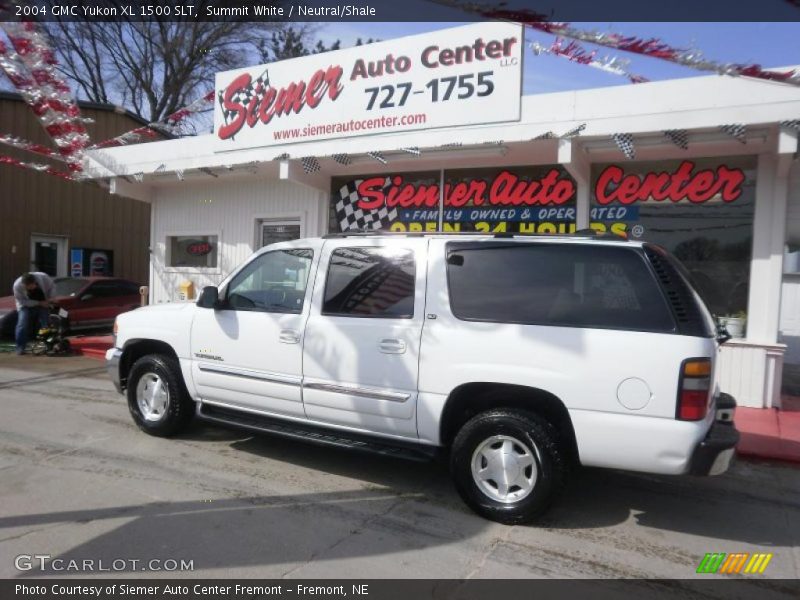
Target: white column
(769, 237)
(572, 158)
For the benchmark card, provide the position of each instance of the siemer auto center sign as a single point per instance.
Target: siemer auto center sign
(460, 76)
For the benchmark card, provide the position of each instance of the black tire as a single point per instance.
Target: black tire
(179, 406)
(542, 441)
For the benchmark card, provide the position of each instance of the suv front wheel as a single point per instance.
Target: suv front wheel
(157, 397)
(508, 465)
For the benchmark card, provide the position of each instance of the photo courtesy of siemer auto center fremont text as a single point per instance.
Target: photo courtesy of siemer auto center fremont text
(419, 300)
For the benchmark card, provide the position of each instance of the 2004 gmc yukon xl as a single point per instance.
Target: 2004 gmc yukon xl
(518, 355)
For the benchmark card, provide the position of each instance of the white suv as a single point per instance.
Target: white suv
(519, 356)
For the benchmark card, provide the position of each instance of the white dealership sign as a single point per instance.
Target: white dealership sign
(462, 76)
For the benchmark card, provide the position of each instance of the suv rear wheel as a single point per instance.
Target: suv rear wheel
(157, 396)
(508, 465)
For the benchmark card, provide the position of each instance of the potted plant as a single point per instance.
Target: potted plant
(734, 323)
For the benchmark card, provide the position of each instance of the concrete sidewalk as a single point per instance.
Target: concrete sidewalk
(769, 433)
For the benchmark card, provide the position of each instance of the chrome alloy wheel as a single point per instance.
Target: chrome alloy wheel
(504, 469)
(152, 396)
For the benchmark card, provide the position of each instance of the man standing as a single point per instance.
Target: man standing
(31, 293)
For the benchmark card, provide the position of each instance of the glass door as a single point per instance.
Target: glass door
(273, 232)
(49, 255)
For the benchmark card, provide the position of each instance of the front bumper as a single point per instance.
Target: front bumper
(113, 358)
(714, 453)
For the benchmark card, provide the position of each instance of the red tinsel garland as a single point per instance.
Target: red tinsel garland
(31, 68)
(652, 47)
(19, 143)
(152, 130)
(40, 168)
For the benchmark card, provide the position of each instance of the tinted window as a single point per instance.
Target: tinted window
(370, 282)
(105, 289)
(128, 288)
(555, 284)
(67, 286)
(273, 282)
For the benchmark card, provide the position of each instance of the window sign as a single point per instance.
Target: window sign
(460, 76)
(192, 251)
(514, 199)
(701, 210)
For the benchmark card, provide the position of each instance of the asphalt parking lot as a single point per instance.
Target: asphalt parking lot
(79, 481)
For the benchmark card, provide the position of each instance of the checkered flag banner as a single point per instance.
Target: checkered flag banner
(412, 150)
(737, 130)
(794, 124)
(138, 177)
(283, 156)
(310, 164)
(342, 159)
(377, 156)
(624, 142)
(244, 96)
(352, 218)
(574, 132)
(679, 137)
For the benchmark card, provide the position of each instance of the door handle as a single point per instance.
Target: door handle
(289, 336)
(392, 346)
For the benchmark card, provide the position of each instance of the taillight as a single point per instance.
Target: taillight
(694, 390)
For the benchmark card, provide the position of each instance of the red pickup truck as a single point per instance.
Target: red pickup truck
(92, 302)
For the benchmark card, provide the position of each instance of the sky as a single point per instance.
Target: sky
(768, 44)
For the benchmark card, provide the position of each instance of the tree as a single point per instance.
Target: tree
(153, 68)
(291, 42)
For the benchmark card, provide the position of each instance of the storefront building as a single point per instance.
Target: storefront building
(61, 227)
(725, 200)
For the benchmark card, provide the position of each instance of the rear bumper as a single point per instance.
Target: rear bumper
(665, 446)
(113, 358)
(712, 456)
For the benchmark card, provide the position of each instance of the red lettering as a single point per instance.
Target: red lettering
(506, 189)
(265, 109)
(370, 193)
(607, 183)
(236, 123)
(732, 183)
(333, 77)
(477, 191)
(458, 197)
(316, 89)
(684, 183)
(267, 103)
(701, 187)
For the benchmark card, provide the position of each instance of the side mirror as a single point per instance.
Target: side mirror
(209, 297)
(722, 333)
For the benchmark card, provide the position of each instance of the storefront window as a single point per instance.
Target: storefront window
(192, 251)
(701, 210)
(509, 199)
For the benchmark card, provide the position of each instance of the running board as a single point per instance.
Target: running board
(316, 435)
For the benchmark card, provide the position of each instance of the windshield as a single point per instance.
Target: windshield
(67, 286)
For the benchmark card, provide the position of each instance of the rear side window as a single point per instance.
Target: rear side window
(370, 282)
(568, 285)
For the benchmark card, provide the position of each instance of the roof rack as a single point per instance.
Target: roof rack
(581, 233)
